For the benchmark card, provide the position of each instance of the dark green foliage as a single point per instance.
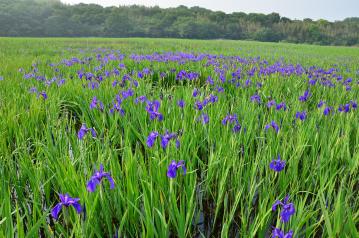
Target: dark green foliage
(49, 18)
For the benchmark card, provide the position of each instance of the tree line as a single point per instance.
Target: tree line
(51, 18)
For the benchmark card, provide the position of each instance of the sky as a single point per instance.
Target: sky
(295, 9)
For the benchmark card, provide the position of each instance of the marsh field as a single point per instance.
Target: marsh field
(178, 138)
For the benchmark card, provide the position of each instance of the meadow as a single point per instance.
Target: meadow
(177, 138)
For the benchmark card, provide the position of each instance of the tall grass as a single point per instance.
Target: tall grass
(228, 190)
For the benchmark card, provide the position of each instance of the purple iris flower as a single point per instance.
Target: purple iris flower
(33, 90)
(277, 232)
(256, 98)
(80, 74)
(117, 107)
(146, 71)
(84, 130)
(277, 164)
(152, 138)
(274, 125)
(271, 103)
(125, 94)
(152, 109)
(195, 93)
(203, 118)
(320, 104)
(312, 81)
(213, 98)
(281, 105)
(305, 96)
(301, 115)
(248, 83)
(60, 82)
(236, 128)
(287, 211)
(93, 103)
(181, 103)
(122, 66)
(1, 78)
(135, 83)
(163, 75)
(344, 108)
(114, 83)
(198, 105)
(93, 85)
(327, 111)
(354, 104)
(205, 101)
(167, 137)
(259, 84)
(140, 75)
(230, 119)
(174, 166)
(66, 201)
(29, 76)
(210, 80)
(97, 178)
(43, 95)
(140, 99)
(220, 89)
(96, 103)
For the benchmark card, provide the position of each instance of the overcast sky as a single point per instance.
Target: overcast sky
(298, 9)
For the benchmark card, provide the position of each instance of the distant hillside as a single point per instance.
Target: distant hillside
(36, 19)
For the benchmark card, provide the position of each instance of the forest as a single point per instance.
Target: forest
(51, 18)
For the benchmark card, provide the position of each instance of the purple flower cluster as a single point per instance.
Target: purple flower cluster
(301, 115)
(230, 73)
(256, 98)
(352, 105)
(181, 103)
(232, 119)
(67, 201)
(279, 106)
(195, 93)
(84, 130)
(165, 139)
(327, 111)
(183, 75)
(152, 108)
(277, 232)
(274, 125)
(95, 103)
(42, 94)
(117, 106)
(287, 209)
(306, 95)
(200, 105)
(174, 166)
(277, 164)
(204, 118)
(119, 99)
(97, 178)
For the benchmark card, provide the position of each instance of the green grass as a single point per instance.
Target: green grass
(228, 190)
